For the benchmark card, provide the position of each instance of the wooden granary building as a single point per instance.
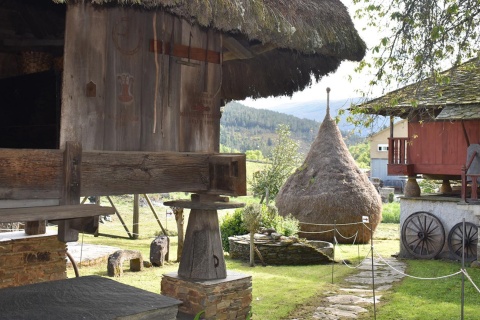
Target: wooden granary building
(124, 97)
(443, 143)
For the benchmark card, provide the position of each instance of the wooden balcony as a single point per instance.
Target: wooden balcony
(398, 158)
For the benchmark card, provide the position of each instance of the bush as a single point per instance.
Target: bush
(391, 212)
(289, 226)
(232, 225)
(391, 197)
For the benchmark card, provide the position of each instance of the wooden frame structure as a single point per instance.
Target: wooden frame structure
(61, 177)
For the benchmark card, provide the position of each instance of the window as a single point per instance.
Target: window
(383, 147)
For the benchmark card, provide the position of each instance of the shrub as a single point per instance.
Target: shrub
(391, 197)
(391, 212)
(232, 225)
(289, 226)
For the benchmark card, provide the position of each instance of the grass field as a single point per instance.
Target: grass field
(279, 292)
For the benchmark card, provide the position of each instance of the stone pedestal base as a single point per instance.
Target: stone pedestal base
(228, 298)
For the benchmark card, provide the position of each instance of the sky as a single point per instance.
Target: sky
(341, 87)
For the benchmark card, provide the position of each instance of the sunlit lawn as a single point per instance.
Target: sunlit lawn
(282, 291)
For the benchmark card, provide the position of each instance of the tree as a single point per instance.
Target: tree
(252, 215)
(419, 38)
(361, 153)
(283, 160)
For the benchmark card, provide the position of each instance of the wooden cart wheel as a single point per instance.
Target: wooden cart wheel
(423, 235)
(471, 239)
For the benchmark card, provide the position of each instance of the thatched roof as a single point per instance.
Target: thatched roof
(330, 188)
(283, 43)
(456, 98)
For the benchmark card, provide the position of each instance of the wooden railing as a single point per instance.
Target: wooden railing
(397, 151)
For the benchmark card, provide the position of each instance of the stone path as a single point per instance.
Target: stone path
(357, 294)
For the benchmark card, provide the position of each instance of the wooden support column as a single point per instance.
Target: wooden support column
(202, 256)
(412, 189)
(136, 216)
(71, 188)
(35, 227)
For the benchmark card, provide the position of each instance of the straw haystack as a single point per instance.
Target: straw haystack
(330, 189)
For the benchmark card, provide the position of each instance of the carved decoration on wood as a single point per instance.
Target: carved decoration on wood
(123, 37)
(126, 83)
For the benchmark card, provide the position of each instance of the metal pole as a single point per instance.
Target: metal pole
(463, 268)
(334, 245)
(373, 273)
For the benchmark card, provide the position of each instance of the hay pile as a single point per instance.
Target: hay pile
(329, 188)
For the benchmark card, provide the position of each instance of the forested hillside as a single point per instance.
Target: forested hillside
(244, 128)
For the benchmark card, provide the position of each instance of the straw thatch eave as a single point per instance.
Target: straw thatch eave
(307, 26)
(305, 37)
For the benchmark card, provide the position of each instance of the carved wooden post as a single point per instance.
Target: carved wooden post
(71, 187)
(202, 256)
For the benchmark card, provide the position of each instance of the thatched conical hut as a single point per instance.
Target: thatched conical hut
(329, 189)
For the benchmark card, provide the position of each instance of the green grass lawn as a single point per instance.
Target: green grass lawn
(280, 292)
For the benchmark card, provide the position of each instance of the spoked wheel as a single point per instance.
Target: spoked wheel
(423, 235)
(471, 239)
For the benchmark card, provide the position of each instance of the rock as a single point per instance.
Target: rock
(475, 264)
(116, 259)
(159, 249)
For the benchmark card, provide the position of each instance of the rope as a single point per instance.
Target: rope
(354, 236)
(331, 224)
(330, 230)
(415, 277)
(470, 279)
(344, 261)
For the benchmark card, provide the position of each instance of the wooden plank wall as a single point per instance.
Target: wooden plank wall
(119, 95)
(441, 147)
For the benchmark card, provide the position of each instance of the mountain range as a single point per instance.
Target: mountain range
(244, 128)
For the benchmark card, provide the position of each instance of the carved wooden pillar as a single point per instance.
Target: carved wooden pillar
(202, 256)
(412, 189)
(71, 187)
(446, 187)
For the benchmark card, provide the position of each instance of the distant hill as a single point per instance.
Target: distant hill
(316, 110)
(244, 128)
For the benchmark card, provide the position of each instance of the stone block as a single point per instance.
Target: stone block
(159, 250)
(116, 260)
(227, 299)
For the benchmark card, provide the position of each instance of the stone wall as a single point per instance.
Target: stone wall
(221, 299)
(449, 211)
(281, 253)
(30, 259)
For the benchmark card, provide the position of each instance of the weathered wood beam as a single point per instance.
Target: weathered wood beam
(33, 43)
(236, 49)
(30, 174)
(53, 212)
(38, 174)
(70, 189)
(116, 173)
(185, 52)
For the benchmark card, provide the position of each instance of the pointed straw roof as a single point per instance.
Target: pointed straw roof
(286, 42)
(329, 188)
